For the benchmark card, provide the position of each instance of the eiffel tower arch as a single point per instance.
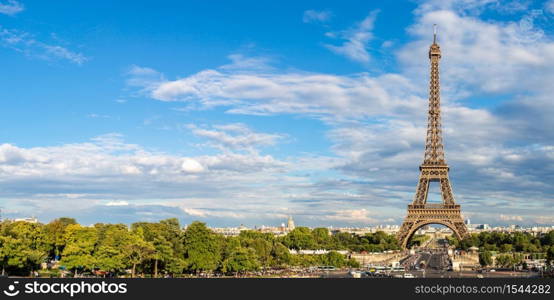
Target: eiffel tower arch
(433, 169)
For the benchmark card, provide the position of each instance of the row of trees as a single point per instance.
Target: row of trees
(507, 242)
(508, 247)
(418, 240)
(163, 247)
(506, 260)
(320, 238)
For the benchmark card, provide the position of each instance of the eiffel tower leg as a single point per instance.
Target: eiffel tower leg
(461, 229)
(403, 234)
(421, 190)
(446, 191)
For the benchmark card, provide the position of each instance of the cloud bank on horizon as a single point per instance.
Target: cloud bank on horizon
(315, 112)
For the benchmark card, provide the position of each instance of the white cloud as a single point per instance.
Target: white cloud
(359, 216)
(64, 53)
(109, 156)
(483, 56)
(216, 213)
(355, 46)
(510, 218)
(11, 7)
(83, 175)
(472, 7)
(240, 62)
(117, 203)
(145, 78)
(264, 93)
(26, 44)
(544, 220)
(191, 166)
(235, 136)
(98, 116)
(195, 212)
(79, 179)
(311, 16)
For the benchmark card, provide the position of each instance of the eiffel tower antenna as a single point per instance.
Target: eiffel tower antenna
(433, 169)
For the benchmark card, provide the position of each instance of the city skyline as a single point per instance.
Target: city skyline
(248, 113)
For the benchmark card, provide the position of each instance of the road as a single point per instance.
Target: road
(432, 261)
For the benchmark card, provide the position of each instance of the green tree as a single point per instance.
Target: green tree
(506, 248)
(25, 246)
(166, 238)
(300, 238)
(261, 243)
(548, 239)
(485, 258)
(504, 261)
(304, 260)
(321, 237)
(550, 255)
(55, 232)
(517, 259)
(345, 240)
(333, 258)
(418, 240)
(79, 248)
(353, 263)
(241, 260)
(138, 250)
(263, 250)
(173, 260)
(202, 248)
(109, 251)
(281, 254)
(10, 249)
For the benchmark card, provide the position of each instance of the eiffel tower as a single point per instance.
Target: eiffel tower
(433, 169)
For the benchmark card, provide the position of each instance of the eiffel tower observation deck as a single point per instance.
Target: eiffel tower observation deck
(433, 169)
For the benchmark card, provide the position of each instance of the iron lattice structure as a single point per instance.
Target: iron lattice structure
(433, 169)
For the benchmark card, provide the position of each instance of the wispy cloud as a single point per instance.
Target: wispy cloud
(235, 136)
(356, 216)
(311, 16)
(549, 6)
(64, 53)
(240, 62)
(11, 7)
(273, 92)
(98, 116)
(474, 7)
(117, 203)
(355, 46)
(26, 44)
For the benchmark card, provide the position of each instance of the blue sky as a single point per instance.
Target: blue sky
(245, 113)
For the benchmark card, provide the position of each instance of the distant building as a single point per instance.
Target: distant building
(483, 226)
(28, 220)
(230, 231)
(290, 224)
(468, 221)
(286, 227)
(317, 252)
